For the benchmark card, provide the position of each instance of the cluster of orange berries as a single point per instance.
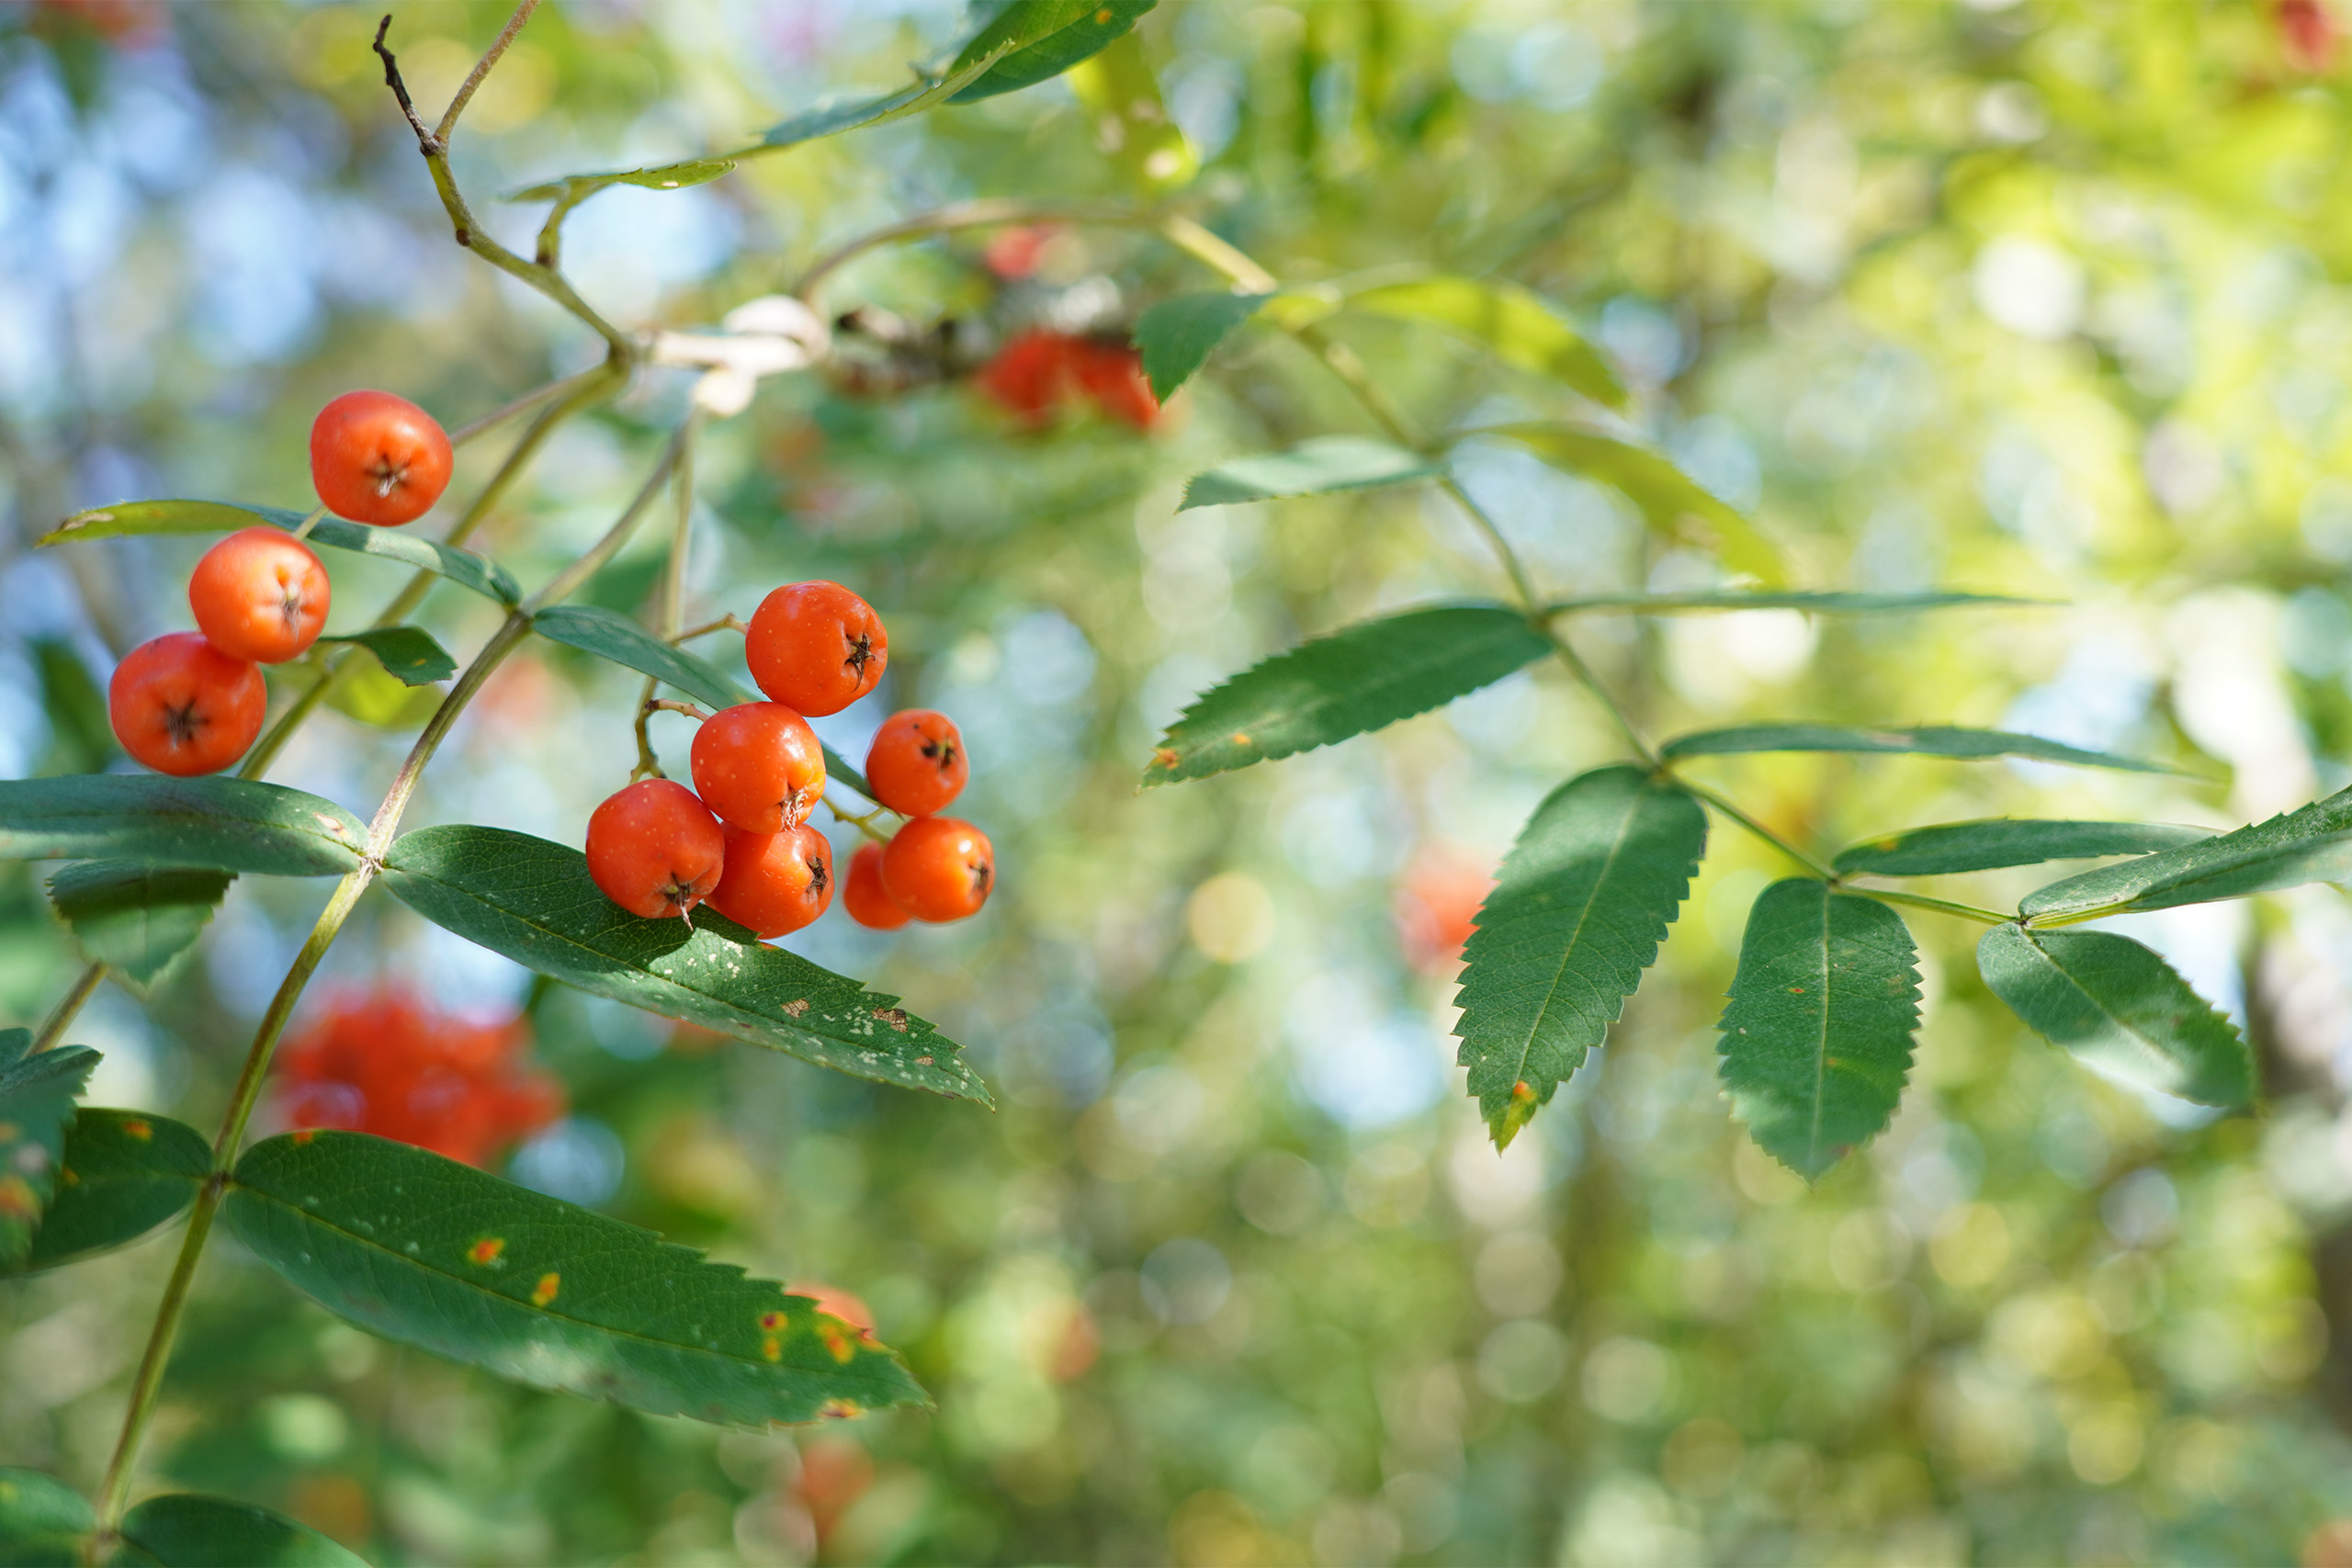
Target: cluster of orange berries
(740, 841)
(192, 702)
(1038, 372)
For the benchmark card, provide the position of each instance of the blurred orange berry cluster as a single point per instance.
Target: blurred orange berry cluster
(1038, 373)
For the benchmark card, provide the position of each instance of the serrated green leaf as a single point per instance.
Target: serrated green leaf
(1816, 1039)
(1666, 496)
(573, 189)
(409, 654)
(623, 641)
(534, 902)
(1031, 41)
(187, 1530)
(2121, 1008)
(1927, 741)
(230, 824)
(1514, 323)
(124, 1173)
(1832, 602)
(1950, 847)
(1175, 336)
(1363, 678)
(438, 1255)
(37, 1095)
(1577, 913)
(1324, 466)
(1132, 124)
(133, 917)
(43, 1522)
(462, 567)
(2312, 844)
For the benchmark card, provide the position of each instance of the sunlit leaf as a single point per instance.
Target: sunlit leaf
(2312, 844)
(124, 1173)
(43, 1522)
(1952, 847)
(534, 902)
(1319, 467)
(1031, 41)
(407, 653)
(1927, 741)
(37, 1095)
(1131, 122)
(186, 1530)
(1578, 911)
(1363, 678)
(573, 189)
(484, 577)
(134, 917)
(1816, 1040)
(1514, 323)
(2119, 1008)
(1175, 336)
(438, 1255)
(1668, 498)
(622, 640)
(228, 824)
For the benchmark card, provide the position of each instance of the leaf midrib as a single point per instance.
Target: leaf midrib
(1584, 914)
(1821, 1049)
(311, 1217)
(2084, 992)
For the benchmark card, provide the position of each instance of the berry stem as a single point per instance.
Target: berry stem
(724, 623)
(317, 516)
(671, 609)
(671, 705)
(865, 823)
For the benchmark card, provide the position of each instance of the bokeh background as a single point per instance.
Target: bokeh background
(2044, 298)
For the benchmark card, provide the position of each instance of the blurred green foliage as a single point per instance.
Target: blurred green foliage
(2036, 298)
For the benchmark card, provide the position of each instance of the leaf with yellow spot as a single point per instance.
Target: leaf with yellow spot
(37, 1095)
(120, 1176)
(381, 1232)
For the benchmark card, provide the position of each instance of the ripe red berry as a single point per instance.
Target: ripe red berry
(182, 706)
(655, 849)
(939, 869)
(862, 894)
(759, 766)
(916, 763)
(816, 647)
(378, 458)
(775, 883)
(1111, 373)
(260, 594)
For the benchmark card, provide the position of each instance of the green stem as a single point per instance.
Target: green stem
(1812, 863)
(147, 1384)
(443, 131)
(1921, 901)
(672, 609)
(62, 1016)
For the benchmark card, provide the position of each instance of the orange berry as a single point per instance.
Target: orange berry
(939, 869)
(775, 883)
(816, 647)
(916, 763)
(378, 458)
(863, 895)
(655, 849)
(260, 594)
(182, 706)
(759, 766)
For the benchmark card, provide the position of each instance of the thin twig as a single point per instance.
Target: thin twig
(425, 140)
(672, 705)
(449, 124)
(522, 404)
(724, 623)
(62, 1016)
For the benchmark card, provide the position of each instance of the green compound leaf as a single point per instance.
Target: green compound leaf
(623, 642)
(1032, 40)
(438, 1255)
(1949, 848)
(135, 918)
(228, 824)
(42, 1521)
(572, 189)
(1578, 911)
(534, 902)
(1666, 497)
(1324, 466)
(407, 653)
(2119, 1008)
(37, 1095)
(1516, 324)
(2312, 844)
(1817, 1036)
(462, 567)
(186, 1530)
(1175, 336)
(1928, 741)
(1831, 603)
(125, 1172)
(1362, 679)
